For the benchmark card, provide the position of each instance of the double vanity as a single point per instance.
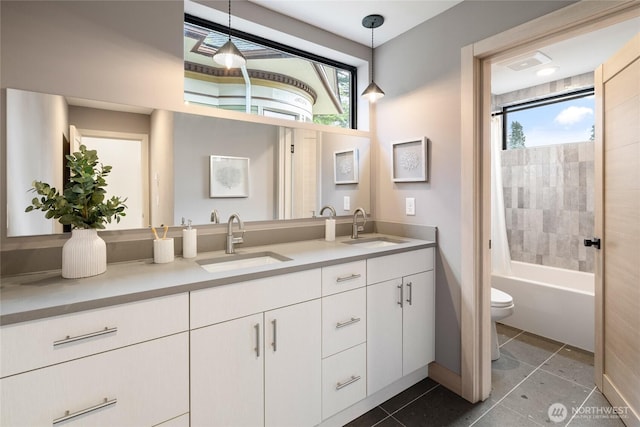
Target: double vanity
(295, 334)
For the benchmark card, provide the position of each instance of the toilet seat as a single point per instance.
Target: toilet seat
(500, 299)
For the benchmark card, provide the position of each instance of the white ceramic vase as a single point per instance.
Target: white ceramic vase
(84, 254)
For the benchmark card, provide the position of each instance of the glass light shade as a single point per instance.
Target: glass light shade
(373, 92)
(229, 56)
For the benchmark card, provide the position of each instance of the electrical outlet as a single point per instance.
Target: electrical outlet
(410, 206)
(347, 203)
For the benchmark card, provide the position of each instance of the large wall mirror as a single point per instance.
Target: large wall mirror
(173, 166)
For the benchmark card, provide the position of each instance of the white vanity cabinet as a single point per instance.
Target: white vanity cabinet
(126, 384)
(400, 316)
(263, 368)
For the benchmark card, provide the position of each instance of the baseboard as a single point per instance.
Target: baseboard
(446, 377)
(617, 400)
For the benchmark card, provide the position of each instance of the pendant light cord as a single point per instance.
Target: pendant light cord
(372, 50)
(230, 21)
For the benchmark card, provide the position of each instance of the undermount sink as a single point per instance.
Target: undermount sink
(374, 242)
(240, 261)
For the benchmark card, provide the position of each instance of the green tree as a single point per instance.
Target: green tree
(339, 120)
(516, 136)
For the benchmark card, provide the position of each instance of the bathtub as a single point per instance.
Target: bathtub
(551, 302)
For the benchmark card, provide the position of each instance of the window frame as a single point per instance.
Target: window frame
(541, 102)
(353, 71)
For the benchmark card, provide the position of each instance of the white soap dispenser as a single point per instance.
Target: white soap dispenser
(329, 224)
(189, 242)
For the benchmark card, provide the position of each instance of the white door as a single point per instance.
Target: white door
(227, 371)
(127, 177)
(384, 334)
(293, 365)
(418, 335)
(617, 365)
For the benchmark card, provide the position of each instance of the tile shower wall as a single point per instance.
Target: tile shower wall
(548, 197)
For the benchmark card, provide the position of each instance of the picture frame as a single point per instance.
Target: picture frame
(228, 176)
(409, 160)
(345, 166)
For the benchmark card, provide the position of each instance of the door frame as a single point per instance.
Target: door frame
(475, 319)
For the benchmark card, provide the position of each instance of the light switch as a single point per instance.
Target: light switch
(347, 203)
(410, 203)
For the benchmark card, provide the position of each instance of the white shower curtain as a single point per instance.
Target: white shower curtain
(500, 255)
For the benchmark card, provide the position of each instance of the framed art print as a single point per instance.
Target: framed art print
(345, 166)
(228, 176)
(409, 160)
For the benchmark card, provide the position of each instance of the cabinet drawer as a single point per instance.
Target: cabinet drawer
(344, 321)
(222, 303)
(343, 277)
(393, 266)
(45, 342)
(143, 384)
(344, 380)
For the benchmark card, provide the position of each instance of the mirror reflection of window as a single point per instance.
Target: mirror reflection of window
(276, 82)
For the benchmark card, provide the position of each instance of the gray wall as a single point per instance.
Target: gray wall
(420, 73)
(198, 137)
(107, 120)
(548, 199)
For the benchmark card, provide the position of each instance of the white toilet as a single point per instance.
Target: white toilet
(501, 307)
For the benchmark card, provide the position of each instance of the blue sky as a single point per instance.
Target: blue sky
(562, 122)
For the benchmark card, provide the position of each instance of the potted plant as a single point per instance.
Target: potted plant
(82, 205)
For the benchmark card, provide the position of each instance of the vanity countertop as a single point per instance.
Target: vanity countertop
(39, 295)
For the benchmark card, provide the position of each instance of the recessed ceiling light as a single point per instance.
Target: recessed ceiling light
(546, 71)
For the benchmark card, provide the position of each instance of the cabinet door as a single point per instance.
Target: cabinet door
(227, 371)
(384, 334)
(293, 365)
(418, 321)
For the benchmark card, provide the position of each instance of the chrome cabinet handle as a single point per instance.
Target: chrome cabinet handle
(349, 277)
(70, 339)
(275, 337)
(348, 322)
(409, 286)
(401, 295)
(257, 349)
(70, 415)
(351, 380)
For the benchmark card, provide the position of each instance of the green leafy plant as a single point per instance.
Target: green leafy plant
(83, 202)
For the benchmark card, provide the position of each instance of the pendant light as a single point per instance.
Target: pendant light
(229, 55)
(373, 91)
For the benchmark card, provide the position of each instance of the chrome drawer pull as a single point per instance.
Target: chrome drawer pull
(350, 277)
(401, 295)
(347, 323)
(257, 349)
(68, 416)
(410, 299)
(70, 339)
(351, 380)
(274, 344)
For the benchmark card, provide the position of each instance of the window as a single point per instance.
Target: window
(559, 119)
(278, 81)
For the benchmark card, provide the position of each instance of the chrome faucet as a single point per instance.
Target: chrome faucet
(231, 240)
(332, 211)
(215, 217)
(356, 228)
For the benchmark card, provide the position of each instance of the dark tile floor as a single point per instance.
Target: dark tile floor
(532, 374)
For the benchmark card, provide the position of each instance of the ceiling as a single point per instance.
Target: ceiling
(572, 57)
(344, 18)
